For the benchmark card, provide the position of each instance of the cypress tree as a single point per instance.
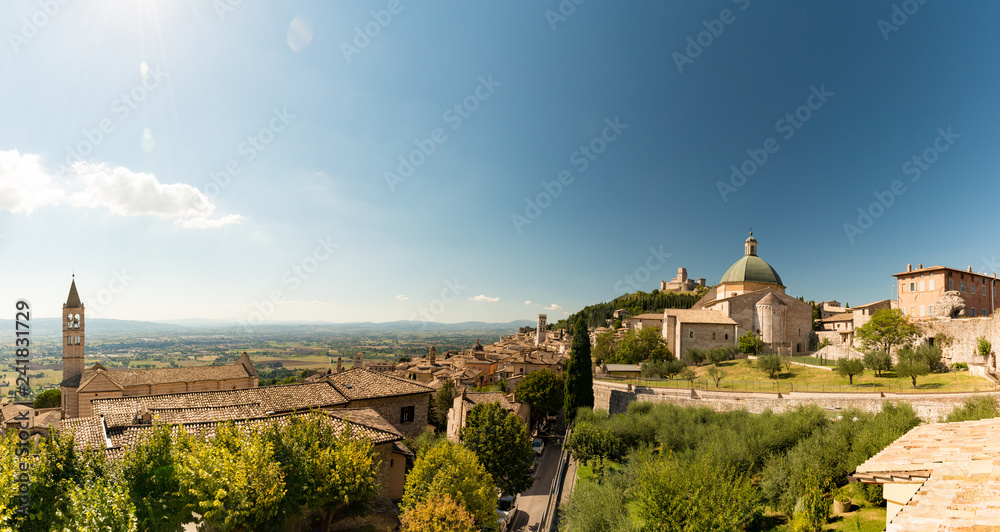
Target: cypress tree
(579, 379)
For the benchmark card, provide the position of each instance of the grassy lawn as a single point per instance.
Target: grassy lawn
(813, 361)
(869, 519)
(743, 377)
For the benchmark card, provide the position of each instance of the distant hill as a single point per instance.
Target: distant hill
(101, 327)
(637, 303)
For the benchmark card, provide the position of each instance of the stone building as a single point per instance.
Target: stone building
(751, 293)
(82, 386)
(540, 330)
(466, 401)
(681, 283)
(685, 329)
(941, 292)
(403, 403)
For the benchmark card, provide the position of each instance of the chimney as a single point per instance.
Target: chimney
(970, 269)
(909, 267)
(920, 266)
(340, 365)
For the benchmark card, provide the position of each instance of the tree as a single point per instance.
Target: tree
(688, 374)
(439, 513)
(721, 354)
(543, 390)
(877, 361)
(849, 367)
(232, 479)
(579, 377)
(886, 329)
(332, 473)
(48, 399)
(442, 403)
(605, 347)
(591, 442)
(642, 344)
(717, 374)
(983, 347)
(702, 494)
(984, 407)
(99, 505)
(694, 356)
(750, 343)
(673, 367)
(770, 364)
(9, 471)
(58, 468)
(911, 364)
(500, 440)
(149, 471)
(453, 470)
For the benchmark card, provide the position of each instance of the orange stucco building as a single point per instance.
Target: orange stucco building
(918, 289)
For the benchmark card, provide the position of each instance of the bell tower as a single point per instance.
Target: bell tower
(73, 351)
(750, 245)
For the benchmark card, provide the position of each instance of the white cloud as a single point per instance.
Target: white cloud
(553, 306)
(403, 297)
(483, 298)
(26, 186)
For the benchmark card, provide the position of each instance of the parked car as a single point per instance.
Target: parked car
(505, 510)
(538, 445)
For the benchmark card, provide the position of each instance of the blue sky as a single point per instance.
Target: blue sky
(242, 160)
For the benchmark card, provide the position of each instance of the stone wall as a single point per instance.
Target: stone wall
(390, 408)
(962, 333)
(615, 398)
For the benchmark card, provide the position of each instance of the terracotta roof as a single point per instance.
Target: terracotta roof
(771, 299)
(269, 398)
(94, 432)
(699, 316)
(959, 465)
(357, 383)
(846, 316)
(476, 398)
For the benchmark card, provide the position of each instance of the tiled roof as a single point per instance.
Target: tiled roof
(269, 399)
(648, 316)
(357, 383)
(96, 432)
(699, 316)
(476, 398)
(148, 377)
(846, 316)
(961, 465)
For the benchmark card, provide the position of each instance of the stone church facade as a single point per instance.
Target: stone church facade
(751, 294)
(80, 386)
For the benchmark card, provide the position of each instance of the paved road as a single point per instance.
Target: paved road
(531, 503)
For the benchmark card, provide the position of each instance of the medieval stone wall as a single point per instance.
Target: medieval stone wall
(962, 334)
(390, 409)
(615, 398)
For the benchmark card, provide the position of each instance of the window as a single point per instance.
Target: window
(985, 313)
(691, 334)
(932, 283)
(406, 414)
(973, 312)
(951, 284)
(983, 291)
(727, 337)
(961, 286)
(913, 287)
(713, 336)
(921, 286)
(923, 310)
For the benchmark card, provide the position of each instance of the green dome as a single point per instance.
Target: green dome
(753, 269)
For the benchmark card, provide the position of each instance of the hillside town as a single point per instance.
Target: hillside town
(397, 405)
